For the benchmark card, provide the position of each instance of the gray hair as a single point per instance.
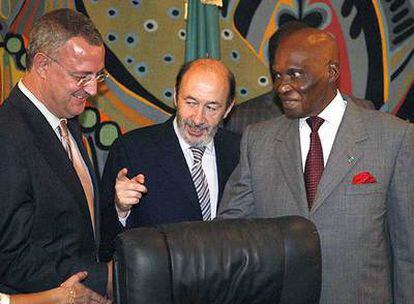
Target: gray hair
(55, 28)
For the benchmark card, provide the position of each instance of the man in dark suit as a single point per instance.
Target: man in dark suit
(48, 194)
(148, 174)
(346, 168)
(268, 105)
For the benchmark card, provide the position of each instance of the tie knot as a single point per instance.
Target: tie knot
(198, 153)
(315, 123)
(63, 128)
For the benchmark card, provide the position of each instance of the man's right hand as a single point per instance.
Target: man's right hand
(128, 192)
(77, 293)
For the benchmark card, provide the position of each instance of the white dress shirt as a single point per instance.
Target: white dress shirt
(209, 165)
(332, 115)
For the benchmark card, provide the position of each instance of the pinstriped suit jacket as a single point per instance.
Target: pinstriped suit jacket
(367, 231)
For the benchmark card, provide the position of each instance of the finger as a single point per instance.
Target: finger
(140, 178)
(122, 174)
(77, 277)
(129, 186)
(128, 202)
(129, 194)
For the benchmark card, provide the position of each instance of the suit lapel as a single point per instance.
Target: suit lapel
(344, 155)
(50, 148)
(287, 152)
(173, 162)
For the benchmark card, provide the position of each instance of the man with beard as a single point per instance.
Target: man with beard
(49, 228)
(151, 175)
(347, 169)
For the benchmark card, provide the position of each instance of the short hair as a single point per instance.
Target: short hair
(284, 30)
(230, 77)
(55, 28)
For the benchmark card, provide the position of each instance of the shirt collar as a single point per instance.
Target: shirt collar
(184, 145)
(50, 117)
(333, 112)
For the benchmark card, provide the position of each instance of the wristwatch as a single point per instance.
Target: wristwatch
(4, 299)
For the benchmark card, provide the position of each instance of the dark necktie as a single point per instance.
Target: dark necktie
(200, 182)
(314, 160)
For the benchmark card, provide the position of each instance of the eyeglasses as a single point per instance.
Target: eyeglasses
(81, 81)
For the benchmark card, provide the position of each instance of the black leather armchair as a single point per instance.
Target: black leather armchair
(254, 261)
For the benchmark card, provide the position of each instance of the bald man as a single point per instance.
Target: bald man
(268, 105)
(148, 175)
(347, 169)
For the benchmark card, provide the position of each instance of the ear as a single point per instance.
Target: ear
(40, 64)
(229, 108)
(175, 99)
(333, 71)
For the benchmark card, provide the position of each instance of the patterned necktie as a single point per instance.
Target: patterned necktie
(79, 165)
(200, 182)
(314, 161)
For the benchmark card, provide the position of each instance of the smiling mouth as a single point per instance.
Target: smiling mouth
(196, 132)
(288, 103)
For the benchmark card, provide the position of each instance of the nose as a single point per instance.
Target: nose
(91, 87)
(283, 87)
(198, 116)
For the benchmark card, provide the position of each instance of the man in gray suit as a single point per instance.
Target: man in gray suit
(361, 200)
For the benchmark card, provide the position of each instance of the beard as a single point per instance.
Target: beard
(206, 138)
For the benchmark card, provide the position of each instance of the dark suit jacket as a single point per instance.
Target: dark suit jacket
(156, 152)
(260, 108)
(46, 232)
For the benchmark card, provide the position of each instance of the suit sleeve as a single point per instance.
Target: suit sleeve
(111, 226)
(238, 201)
(400, 217)
(27, 266)
(232, 121)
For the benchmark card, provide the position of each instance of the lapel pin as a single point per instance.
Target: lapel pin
(351, 159)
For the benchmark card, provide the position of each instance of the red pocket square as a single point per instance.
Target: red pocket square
(363, 178)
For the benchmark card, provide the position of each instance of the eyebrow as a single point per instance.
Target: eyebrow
(195, 99)
(189, 97)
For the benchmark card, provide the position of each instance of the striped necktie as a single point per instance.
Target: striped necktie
(200, 182)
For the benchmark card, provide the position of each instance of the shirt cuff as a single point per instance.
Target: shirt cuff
(122, 220)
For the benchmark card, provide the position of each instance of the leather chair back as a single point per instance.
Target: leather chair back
(256, 261)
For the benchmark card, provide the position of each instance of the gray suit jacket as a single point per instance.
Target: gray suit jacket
(366, 230)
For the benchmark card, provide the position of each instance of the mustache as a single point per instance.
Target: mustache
(198, 127)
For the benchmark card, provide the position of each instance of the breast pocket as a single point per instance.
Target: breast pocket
(375, 188)
(363, 204)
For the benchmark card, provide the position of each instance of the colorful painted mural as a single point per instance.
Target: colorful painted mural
(145, 42)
